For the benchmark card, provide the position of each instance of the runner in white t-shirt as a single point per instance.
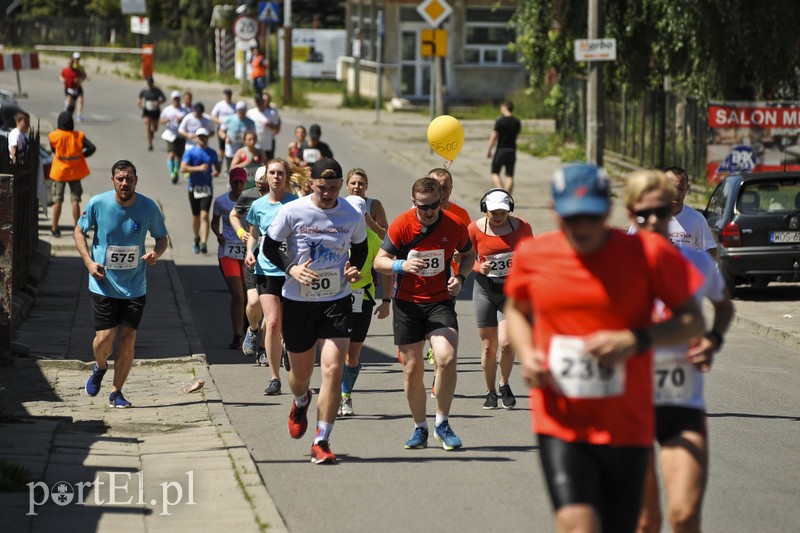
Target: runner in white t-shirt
(320, 231)
(268, 124)
(687, 227)
(222, 110)
(194, 121)
(678, 373)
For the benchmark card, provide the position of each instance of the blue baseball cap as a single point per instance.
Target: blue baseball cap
(581, 189)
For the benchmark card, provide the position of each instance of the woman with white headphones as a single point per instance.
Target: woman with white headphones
(494, 238)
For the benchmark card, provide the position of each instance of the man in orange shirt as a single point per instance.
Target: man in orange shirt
(70, 150)
(445, 179)
(258, 71)
(579, 309)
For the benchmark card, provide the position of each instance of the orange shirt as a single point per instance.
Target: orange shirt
(449, 235)
(462, 214)
(68, 161)
(259, 69)
(488, 246)
(573, 295)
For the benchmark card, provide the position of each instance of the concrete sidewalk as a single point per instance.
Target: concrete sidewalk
(176, 461)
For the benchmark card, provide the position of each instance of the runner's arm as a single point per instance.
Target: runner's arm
(272, 251)
(702, 353)
(161, 246)
(519, 324)
(96, 270)
(358, 254)
(492, 141)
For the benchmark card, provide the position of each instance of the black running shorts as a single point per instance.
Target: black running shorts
(504, 157)
(609, 478)
(672, 420)
(304, 323)
(109, 313)
(412, 322)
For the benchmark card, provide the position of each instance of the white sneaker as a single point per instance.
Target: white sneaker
(346, 407)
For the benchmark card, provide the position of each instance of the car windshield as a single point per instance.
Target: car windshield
(778, 196)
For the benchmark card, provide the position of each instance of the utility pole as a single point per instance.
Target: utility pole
(286, 82)
(595, 129)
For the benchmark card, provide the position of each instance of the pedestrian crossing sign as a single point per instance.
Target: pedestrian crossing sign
(268, 12)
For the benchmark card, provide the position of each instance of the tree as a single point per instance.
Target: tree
(712, 49)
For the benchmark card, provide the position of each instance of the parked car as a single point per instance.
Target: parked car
(7, 113)
(755, 219)
(7, 98)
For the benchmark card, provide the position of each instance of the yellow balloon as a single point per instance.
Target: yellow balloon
(446, 136)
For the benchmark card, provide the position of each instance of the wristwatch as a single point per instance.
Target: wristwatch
(461, 277)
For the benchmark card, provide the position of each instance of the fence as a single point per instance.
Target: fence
(171, 45)
(23, 204)
(653, 129)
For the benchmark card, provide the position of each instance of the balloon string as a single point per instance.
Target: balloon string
(447, 165)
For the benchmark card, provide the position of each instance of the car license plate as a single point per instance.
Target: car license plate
(784, 236)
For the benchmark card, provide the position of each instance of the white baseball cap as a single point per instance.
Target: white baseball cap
(76, 55)
(241, 105)
(174, 94)
(498, 200)
(201, 131)
(261, 173)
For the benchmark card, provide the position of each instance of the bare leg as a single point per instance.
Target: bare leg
(496, 181)
(237, 303)
(204, 227)
(331, 366)
(56, 215)
(445, 346)
(124, 359)
(76, 213)
(650, 517)
(413, 372)
(509, 184)
(489, 356)
(577, 518)
(684, 467)
(506, 353)
(271, 306)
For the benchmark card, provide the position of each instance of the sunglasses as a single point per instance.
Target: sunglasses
(428, 207)
(645, 214)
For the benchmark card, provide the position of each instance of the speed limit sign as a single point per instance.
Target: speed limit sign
(245, 28)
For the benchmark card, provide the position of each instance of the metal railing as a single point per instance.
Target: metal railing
(653, 129)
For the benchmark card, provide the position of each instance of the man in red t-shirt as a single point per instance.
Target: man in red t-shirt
(418, 248)
(73, 76)
(589, 292)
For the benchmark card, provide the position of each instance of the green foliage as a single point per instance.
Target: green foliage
(715, 49)
(352, 101)
(540, 144)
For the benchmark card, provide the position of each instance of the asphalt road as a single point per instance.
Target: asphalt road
(495, 482)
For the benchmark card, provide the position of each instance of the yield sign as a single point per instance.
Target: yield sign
(434, 11)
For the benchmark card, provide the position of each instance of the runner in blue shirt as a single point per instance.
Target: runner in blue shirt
(117, 264)
(202, 164)
(269, 278)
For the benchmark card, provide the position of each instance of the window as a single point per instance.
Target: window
(487, 36)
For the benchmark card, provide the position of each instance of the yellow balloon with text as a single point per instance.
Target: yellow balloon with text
(446, 136)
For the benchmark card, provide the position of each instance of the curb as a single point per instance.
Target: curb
(264, 509)
(769, 332)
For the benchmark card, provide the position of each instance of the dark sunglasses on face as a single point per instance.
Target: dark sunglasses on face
(645, 214)
(428, 207)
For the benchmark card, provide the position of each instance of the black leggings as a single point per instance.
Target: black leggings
(610, 479)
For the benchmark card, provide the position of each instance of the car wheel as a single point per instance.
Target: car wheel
(760, 283)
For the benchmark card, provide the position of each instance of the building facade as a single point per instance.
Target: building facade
(479, 64)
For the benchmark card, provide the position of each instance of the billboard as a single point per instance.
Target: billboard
(757, 136)
(314, 52)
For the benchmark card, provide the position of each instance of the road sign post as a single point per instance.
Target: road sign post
(435, 12)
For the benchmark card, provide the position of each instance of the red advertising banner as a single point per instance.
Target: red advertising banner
(752, 137)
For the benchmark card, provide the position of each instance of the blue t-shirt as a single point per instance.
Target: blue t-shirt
(260, 215)
(196, 156)
(119, 242)
(236, 127)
